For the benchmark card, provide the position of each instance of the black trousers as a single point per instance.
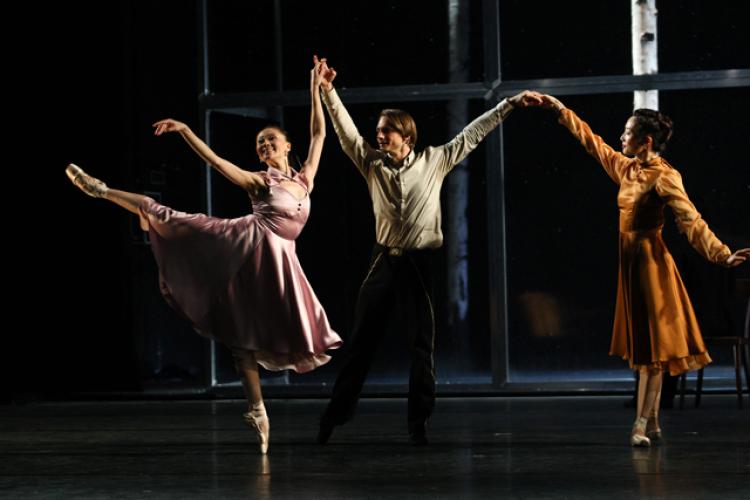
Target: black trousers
(398, 282)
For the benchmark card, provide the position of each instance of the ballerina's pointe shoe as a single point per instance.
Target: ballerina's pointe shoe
(257, 420)
(86, 183)
(638, 435)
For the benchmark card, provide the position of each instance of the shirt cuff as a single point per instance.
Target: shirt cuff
(504, 107)
(328, 96)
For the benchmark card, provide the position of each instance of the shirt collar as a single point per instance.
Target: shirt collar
(408, 160)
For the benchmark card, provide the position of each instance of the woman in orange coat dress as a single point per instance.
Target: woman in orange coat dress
(655, 327)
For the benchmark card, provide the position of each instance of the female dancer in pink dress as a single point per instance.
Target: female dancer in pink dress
(238, 281)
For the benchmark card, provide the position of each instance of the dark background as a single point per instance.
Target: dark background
(100, 73)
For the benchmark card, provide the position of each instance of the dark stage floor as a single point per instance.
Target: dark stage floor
(480, 447)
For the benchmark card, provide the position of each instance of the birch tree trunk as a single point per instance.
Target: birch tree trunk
(457, 196)
(644, 47)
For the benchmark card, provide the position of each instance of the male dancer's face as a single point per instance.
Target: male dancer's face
(389, 141)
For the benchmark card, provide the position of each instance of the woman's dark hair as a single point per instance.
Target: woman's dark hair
(275, 126)
(402, 122)
(649, 122)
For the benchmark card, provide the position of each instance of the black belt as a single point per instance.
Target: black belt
(399, 251)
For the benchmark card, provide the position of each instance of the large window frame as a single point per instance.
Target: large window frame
(269, 105)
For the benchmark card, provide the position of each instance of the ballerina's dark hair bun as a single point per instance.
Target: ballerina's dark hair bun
(649, 122)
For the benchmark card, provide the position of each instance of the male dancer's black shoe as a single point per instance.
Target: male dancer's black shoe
(324, 431)
(418, 435)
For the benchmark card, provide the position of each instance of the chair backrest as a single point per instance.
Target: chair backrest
(743, 287)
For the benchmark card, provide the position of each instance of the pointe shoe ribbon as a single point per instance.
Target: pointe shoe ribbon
(89, 185)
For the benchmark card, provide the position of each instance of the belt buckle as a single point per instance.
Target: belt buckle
(395, 251)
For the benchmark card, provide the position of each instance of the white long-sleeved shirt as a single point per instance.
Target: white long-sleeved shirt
(406, 199)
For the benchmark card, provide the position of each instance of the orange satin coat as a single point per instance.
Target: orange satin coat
(655, 325)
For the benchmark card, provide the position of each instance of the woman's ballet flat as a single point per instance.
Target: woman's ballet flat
(653, 432)
(654, 435)
(639, 439)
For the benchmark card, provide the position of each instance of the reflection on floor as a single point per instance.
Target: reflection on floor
(479, 448)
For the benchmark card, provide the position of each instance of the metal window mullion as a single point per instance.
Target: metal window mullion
(497, 282)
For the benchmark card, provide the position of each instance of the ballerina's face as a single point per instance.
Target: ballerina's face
(272, 146)
(630, 144)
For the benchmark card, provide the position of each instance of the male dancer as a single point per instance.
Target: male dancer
(405, 189)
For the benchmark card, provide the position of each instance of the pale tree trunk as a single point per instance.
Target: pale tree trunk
(644, 45)
(457, 195)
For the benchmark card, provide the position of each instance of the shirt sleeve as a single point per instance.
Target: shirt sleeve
(352, 143)
(670, 189)
(468, 139)
(614, 162)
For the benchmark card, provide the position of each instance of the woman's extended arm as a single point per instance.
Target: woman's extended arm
(247, 180)
(317, 124)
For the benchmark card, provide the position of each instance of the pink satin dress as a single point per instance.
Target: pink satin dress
(239, 282)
